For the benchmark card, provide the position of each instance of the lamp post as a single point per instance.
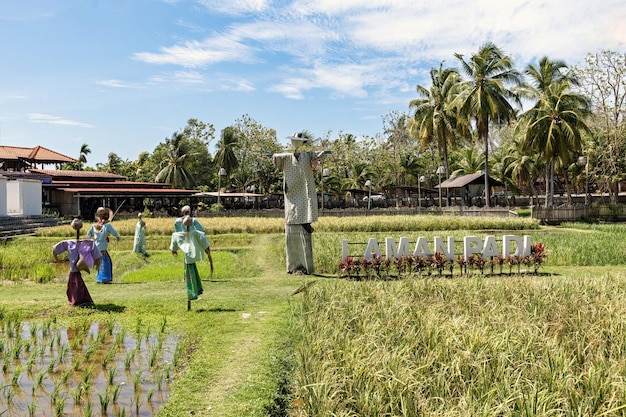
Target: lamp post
(440, 170)
(221, 173)
(419, 191)
(368, 184)
(583, 160)
(325, 173)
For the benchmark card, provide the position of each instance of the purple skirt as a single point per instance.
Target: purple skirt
(77, 292)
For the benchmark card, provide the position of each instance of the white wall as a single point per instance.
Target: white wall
(23, 197)
(3, 196)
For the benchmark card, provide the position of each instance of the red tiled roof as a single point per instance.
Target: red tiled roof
(38, 154)
(129, 192)
(106, 184)
(64, 173)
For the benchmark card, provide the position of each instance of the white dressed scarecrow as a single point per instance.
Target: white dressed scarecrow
(300, 202)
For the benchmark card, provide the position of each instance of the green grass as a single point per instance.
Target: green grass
(472, 347)
(498, 346)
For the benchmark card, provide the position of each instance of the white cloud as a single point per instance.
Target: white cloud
(56, 120)
(199, 53)
(235, 7)
(188, 77)
(378, 48)
(228, 83)
(116, 84)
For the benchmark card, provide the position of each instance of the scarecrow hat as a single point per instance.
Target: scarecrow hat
(298, 139)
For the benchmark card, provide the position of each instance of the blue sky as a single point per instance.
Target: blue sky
(122, 75)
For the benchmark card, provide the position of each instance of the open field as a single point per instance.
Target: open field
(527, 345)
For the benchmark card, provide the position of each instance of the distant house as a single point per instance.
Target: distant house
(70, 193)
(16, 158)
(470, 188)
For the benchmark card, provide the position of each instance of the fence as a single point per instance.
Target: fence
(572, 213)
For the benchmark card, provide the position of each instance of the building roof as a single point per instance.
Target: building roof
(127, 192)
(38, 154)
(463, 180)
(66, 174)
(227, 195)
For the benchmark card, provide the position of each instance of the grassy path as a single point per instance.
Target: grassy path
(237, 365)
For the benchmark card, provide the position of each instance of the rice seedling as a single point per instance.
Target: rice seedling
(86, 379)
(163, 325)
(9, 395)
(111, 372)
(137, 381)
(116, 392)
(51, 364)
(32, 409)
(54, 394)
(78, 361)
(138, 328)
(109, 356)
(30, 363)
(91, 349)
(77, 394)
(130, 356)
(62, 353)
(6, 362)
(154, 356)
(104, 402)
(15, 378)
(88, 410)
(110, 326)
(178, 353)
(59, 406)
(64, 376)
(39, 377)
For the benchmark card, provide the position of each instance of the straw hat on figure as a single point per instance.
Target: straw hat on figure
(300, 202)
(100, 233)
(82, 255)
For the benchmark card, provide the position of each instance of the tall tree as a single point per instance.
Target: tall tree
(82, 156)
(398, 139)
(225, 157)
(173, 166)
(554, 127)
(435, 117)
(468, 161)
(255, 143)
(603, 80)
(484, 97)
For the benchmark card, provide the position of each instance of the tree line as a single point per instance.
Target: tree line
(471, 118)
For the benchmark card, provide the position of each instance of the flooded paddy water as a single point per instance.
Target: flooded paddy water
(93, 368)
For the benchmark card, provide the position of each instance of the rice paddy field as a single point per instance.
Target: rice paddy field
(260, 342)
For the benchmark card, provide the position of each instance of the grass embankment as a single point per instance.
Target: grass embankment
(520, 345)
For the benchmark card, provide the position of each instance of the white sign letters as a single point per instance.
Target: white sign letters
(487, 248)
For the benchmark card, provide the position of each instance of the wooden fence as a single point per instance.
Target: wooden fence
(572, 213)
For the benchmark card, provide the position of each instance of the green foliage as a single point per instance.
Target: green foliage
(44, 273)
(479, 347)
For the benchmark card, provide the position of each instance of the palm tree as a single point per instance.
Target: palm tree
(484, 98)
(469, 162)
(435, 117)
(554, 128)
(225, 156)
(173, 170)
(549, 80)
(522, 168)
(82, 158)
